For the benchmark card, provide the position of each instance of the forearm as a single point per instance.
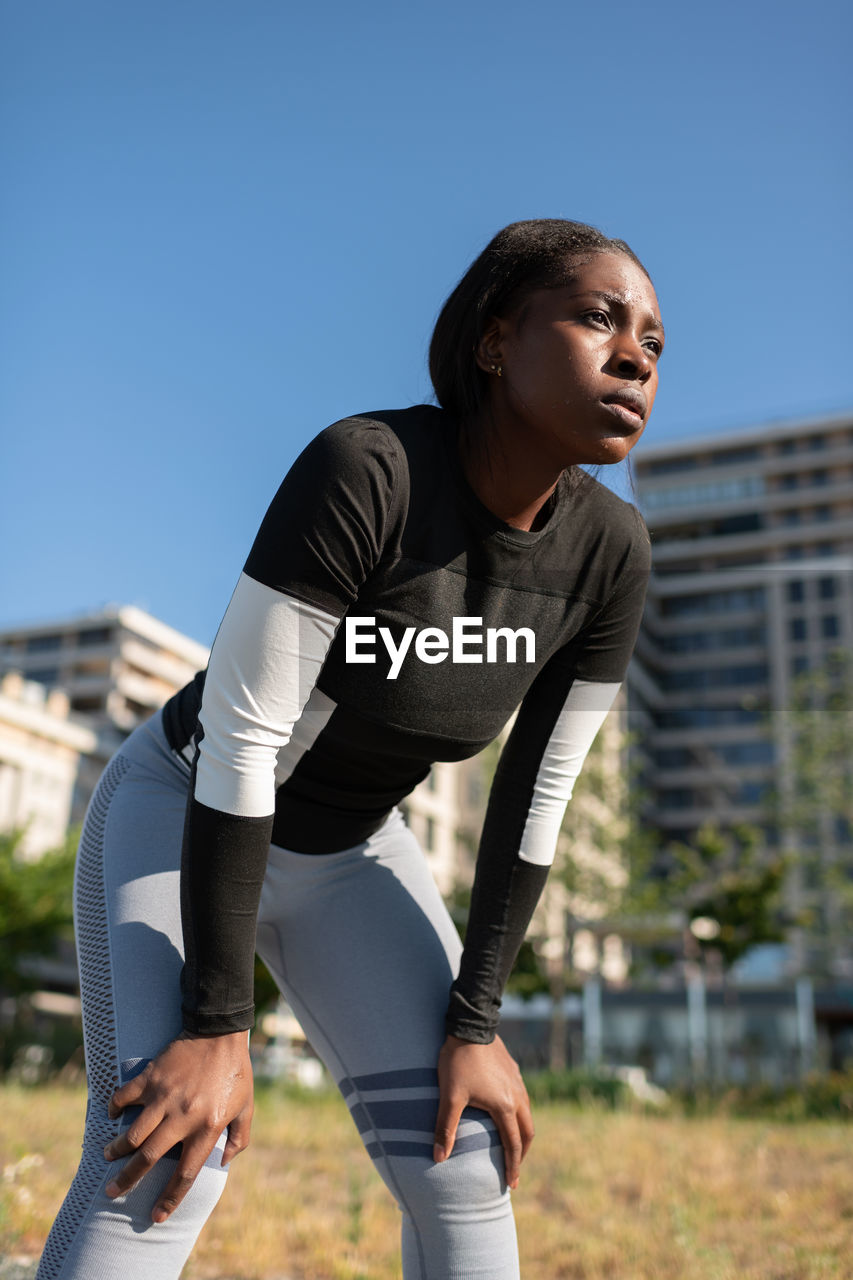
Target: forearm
(222, 874)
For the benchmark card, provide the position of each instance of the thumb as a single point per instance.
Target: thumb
(449, 1113)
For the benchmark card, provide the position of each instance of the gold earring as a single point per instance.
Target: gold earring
(497, 368)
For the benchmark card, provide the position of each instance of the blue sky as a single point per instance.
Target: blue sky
(225, 225)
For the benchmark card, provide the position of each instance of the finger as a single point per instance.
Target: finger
(449, 1114)
(124, 1144)
(189, 1167)
(528, 1132)
(510, 1136)
(143, 1160)
(126, 1096)
(238, 1136)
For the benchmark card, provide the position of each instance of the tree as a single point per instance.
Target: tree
(727, 877)
(35, 908)
(814, 802)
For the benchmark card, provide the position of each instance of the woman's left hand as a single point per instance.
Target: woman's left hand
(484, 1076)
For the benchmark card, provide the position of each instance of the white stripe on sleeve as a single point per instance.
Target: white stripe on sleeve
(583, 714)
(265, 661)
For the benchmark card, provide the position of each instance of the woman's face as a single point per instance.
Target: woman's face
(579, 363)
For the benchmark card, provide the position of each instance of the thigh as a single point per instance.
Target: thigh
(128, 925)
(365, 951)
(127, 909)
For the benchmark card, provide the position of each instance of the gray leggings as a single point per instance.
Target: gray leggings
(361, 945)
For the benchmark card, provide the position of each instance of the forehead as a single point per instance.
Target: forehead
(615, 274)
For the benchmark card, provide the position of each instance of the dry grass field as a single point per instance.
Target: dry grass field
(604, 1195)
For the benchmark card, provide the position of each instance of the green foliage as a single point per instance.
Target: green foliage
(824, 1097)
(818, 727)
(578, 1085)
(35, 907)
(727, 876)
(266, 992)
(814, 806)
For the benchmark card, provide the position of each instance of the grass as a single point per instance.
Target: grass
(605, 1195)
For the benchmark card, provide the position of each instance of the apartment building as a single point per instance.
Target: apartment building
(111, 670)
(40, 754)
(752, 537)
(115, 667)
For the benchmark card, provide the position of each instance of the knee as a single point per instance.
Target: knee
(470, 1186)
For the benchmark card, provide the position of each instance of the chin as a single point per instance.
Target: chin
(612, 451)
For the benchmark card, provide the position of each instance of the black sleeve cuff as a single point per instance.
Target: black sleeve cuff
(222, 873)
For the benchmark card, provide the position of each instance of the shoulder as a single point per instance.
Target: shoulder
(614, 523)
(379, 442)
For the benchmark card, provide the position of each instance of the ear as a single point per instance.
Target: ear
(489, 350)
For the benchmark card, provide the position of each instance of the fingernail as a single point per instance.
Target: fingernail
(438, 1153)
(112, 1189)
(159, 1215)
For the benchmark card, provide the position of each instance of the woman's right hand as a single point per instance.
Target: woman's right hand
(189, 1093)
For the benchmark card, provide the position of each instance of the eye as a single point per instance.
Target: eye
(654, 347)
(597, 317)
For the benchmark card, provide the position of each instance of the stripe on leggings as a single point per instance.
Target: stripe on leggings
(476, 1142)
(395, 1113)
(406, 1078)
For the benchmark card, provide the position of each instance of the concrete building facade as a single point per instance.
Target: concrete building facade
(40, 754)
(112, 669)
(115, 667)
(752, 587)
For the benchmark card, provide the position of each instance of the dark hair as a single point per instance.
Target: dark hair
(539, 254)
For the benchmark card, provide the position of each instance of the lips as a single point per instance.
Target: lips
(630, 399)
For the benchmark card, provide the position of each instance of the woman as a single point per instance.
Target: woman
(420, 574)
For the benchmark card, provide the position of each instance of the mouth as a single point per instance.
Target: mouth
(628, 405)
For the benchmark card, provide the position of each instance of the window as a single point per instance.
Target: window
(817, 442)
(820, 477)
(829, 627)
(798, 629)
(94, 635)
(791, 517)
(790, 480)
(760, 752)
(823, 514)
(704, 491)
(87, 704)
(786, 446)
(44, 675)
(714, 677)
(751, 792)
(43, 644)
(707, 717)
(667, 466)
(702, 641)
(799, 666)
(796, 592)
(713, 602)
(672, 758)
(677, 798)
(827, 588)
(731, 457)
(749, 522)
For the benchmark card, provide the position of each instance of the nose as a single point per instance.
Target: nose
(629, 359)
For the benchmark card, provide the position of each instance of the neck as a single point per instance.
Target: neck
(513, 483)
